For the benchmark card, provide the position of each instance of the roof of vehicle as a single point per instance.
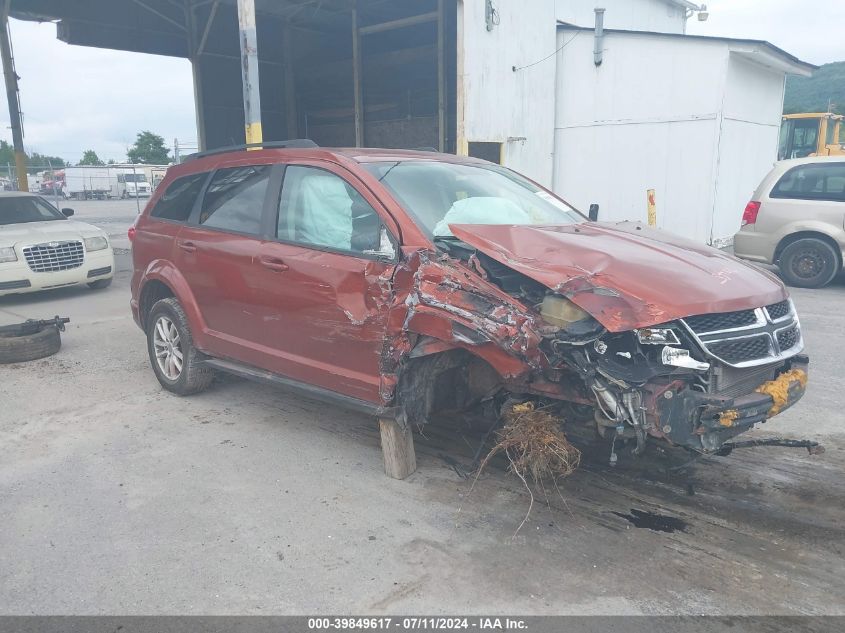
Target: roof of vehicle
(794, 162)
(207, 161)
(359, 154)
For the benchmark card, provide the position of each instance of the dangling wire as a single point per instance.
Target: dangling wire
(567, 43)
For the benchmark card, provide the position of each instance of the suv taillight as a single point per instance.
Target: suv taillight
(131, 233)
(749, 216)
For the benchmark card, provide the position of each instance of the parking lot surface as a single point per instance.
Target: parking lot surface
(118, 497)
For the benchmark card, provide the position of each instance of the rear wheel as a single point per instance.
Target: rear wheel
(176, 362)
(808, 263)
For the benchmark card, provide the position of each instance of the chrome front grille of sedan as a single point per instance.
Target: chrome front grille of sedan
(748, 338)
(54, 256)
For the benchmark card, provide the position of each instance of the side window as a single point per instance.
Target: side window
(178, 199)
(317, 207)
(812, 182)
(234, 200)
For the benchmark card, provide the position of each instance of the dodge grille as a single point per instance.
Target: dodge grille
(748, 338)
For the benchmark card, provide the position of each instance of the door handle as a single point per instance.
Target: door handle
(273, 263)
(188, 247)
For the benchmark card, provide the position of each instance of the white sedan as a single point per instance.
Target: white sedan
(41, 248)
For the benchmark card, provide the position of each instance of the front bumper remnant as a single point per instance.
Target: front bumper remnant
(704, 422)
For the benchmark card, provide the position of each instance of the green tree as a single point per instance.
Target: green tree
(814, 94)
(43, 160)
(34, 160)
(7, 153)
(149, 149)
(89, 157)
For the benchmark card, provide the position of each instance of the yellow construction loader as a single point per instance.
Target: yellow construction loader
(811, 134)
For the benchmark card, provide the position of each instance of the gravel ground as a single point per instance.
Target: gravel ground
(119, 498)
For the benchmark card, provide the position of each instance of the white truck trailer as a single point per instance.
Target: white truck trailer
(86, 183)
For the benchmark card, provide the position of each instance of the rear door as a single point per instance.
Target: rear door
(326, 280)
(217, 254)
(157, 232)
(810, 193)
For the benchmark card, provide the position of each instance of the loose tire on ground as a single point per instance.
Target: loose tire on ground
(808, 263)
(168, 332)
(19, 348)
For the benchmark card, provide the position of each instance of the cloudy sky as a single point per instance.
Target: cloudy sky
(809, 29)
(76, 98)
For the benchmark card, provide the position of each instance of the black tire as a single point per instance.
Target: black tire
(193, 377)
(808, 263)
(100, 284)
(21, 348)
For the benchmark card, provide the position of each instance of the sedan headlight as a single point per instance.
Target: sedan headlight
(7, 254)
(96, 243)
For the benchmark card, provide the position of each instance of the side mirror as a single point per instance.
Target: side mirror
(67, 212)
(594, 212)
(385, 252)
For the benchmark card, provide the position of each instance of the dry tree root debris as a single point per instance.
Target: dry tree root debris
(536, 448)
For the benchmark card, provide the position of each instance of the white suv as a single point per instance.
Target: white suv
(796, 220)
(41, 249)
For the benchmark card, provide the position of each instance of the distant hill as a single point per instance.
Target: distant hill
(812, 94)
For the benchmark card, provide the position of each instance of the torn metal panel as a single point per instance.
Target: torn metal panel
(626, 275)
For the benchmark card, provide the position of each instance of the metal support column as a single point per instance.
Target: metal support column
(13, 95)
(356, 79)
(441, 75)
(291, 116)
(249, 67)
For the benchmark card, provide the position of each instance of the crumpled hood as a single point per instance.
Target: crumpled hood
(53, 230)
(625, 274)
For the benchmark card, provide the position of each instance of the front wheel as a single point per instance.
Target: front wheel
(808, 263)
(176, 362)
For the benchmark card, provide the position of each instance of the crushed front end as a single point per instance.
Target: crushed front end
(696, 381)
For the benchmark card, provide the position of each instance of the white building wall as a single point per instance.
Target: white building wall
(498, 104)
(647, 118)
(748, 140)
(661, 16)
(686, 117)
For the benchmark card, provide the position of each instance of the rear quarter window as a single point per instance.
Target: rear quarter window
(817, 181)
(178, 199)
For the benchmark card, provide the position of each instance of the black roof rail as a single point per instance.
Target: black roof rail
(296, 143)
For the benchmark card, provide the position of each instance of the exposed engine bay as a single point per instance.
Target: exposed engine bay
(696, 381)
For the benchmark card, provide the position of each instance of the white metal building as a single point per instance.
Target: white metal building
(694, 118)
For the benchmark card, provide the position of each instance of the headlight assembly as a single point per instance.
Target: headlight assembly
(658, 336)
(96, 243)
(7, 254)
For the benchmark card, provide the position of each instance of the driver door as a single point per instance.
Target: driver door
(328, 271)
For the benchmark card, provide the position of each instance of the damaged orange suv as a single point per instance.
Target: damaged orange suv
(400, 282)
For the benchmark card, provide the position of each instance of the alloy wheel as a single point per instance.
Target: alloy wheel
(168, 348)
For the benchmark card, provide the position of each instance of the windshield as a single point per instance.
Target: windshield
(135, 178)
(17, 210)
(438, 194)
